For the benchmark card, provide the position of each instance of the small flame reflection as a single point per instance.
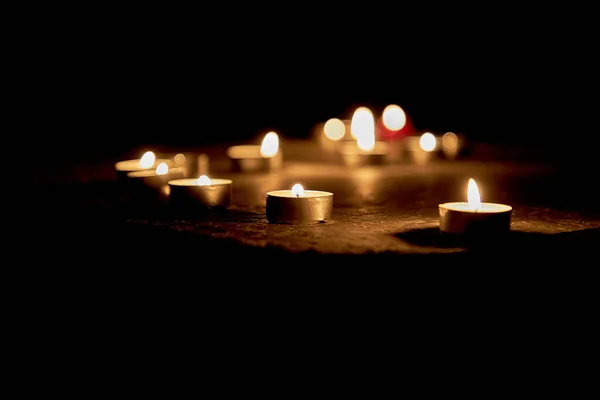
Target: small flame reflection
(393, 117)
(270, 145)
(297, 190)
(473, 197)
(427, 142)
(204, 180)
(362, 128)
(147, 160)
(334, 129)
(162, 169)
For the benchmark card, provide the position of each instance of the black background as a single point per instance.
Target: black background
(110, 80)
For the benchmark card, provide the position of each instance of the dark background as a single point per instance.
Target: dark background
(112, 80)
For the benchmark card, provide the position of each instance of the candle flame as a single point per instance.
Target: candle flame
(427, 142)
(147, 160)
(334, 129)
(394, 117)
(270, 145)
(473, 197)
(204, 180)
(179, 159)
(362, 127)
(162, 169)
(450, 141)
(297, 190)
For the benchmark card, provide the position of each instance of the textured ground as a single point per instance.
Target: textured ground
(384, 211)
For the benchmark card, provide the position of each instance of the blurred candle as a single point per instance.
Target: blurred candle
(366, 150)
(394, 124)
(203, 164)
(473, 219)
(299, 206)
(450, 145)
(182, 161)
(201, 192)
(330, 134)
(254, 158)
(422, 147)
(148, 161)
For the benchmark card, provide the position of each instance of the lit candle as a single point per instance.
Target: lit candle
(148, 161)
(330, 134)
(299, 206)
(422, 147)
(473, 218)
(451, 145)
(254, 158)
(393, 124)
(365, 150)
(155, 179)
(202, 192)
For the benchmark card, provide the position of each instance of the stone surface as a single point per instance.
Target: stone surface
(388, 210)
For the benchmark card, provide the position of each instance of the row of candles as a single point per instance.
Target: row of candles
(362, 141)
(298, 205)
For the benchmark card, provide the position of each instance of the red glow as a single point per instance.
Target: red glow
(383, 133)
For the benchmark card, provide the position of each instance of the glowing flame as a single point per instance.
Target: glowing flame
(334, 129)
(204, 180)
(450, 140)
(297, 190)
(162, 169)
(393, 117)
(473, 198)
(270, 145)
(362, 128)
(179, 159)
(147, 160)
(427, 142)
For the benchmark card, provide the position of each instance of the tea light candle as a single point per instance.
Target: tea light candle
(157, 179)
(365, 150)
(422, 148)
(393, 124)
(254, 158)
(148, 161)
(203, 192)
(473, 218)
(299, 206)
(330, 134)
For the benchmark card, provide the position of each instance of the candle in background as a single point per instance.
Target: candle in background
(330, 134)
(181, 160)
(450, 145)
(299, 206)
(202, 192)
(393, 127)
(422, 148)
(254, 158)
(148, 161)
(473, 220)
(154, 181)
(366, 150)
(394, 124)
(203, 165)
